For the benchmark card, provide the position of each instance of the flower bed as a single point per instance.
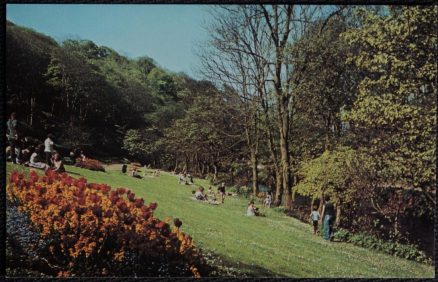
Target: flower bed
(91, 230)
(90, 164)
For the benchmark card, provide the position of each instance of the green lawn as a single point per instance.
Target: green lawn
(274, 245)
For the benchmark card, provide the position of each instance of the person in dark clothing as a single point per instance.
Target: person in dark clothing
(328, 214)
(221, 191)
(12, 135)
(26, 153)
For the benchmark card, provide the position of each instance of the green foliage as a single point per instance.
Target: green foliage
(134, 144)
(328, 174)
(394, 116)
(410, 252)
(324, 88)
(243, 191)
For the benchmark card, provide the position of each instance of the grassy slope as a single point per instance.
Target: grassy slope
(275, 245)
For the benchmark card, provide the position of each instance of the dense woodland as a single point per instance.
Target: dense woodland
(308, 101)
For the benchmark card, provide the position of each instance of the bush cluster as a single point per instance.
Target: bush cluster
(243, 191)
(371, 242)
(91, 230)
(90, 164)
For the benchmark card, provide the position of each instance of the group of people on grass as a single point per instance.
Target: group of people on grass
(41, 156)
(210, 196)
(185, 178)
(135, 172)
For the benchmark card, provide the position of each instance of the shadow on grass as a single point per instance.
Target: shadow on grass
(220, 267)
(71, 172)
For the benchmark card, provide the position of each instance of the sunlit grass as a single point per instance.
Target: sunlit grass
(274, 245)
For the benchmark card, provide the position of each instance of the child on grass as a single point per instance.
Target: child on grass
(314, 216)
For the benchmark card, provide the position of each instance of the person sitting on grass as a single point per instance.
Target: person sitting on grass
(58, 164)
(190, 178)
(26, 153)
(211, 194)
(252, 210)
(134, 173)
(82, 156)
(199, 194)
(52, 158)
(35, 159)
(314, 216)
(181, 178)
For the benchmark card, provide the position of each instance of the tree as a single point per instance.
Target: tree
(207, 135)
(329, 174)
(255, 43)
(394, 116)
(233, 57)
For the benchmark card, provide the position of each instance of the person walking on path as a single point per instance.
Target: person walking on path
(221, 191)
(48, 148)
(12, 136)
(328, 214)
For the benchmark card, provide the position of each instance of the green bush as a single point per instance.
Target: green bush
(342, 235)
(410, 252)
(241, 191)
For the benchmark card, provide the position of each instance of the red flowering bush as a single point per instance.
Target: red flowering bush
(91, 230)
(90, 164)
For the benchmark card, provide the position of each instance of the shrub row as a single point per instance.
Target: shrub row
(90, 164)
(367, 241)
(92, 230)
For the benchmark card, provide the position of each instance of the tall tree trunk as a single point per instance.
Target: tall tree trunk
(274, 158)
(294, 192)
(284, 151)
(176, 165)
(198, 165)
(202, 168)
(321, 203)
(278, 187)
(32, 110)
(186, 163)
(338, 215)
(254, 161)
(215, 171)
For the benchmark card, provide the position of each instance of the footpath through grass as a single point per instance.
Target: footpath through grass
(269, 246)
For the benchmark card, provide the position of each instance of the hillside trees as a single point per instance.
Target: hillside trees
(396, 106)
(387, 106)
(394, 117)
(234, 58)
(28, 55)
(208, 137)
(252, 44)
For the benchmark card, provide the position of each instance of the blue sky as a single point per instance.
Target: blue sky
(168, 34)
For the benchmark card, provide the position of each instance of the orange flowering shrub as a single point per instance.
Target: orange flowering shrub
(92, 230)
(90, 164)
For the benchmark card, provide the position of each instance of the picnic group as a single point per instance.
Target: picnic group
(36, 154)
